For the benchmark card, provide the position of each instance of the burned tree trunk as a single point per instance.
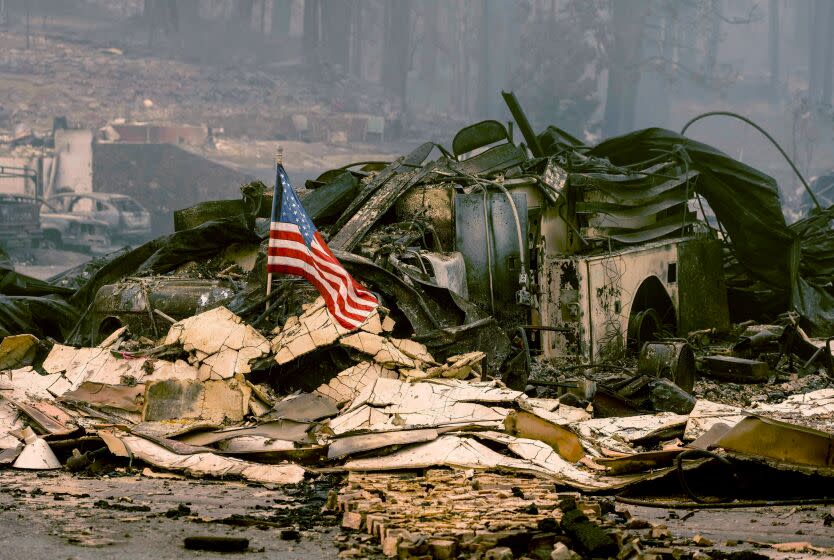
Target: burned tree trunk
(819, 51)
(312, 11)
(773, 44)
(713, 39)
(335, 19)
(431, 37)
(624, 68)
(396, 47)
(281, 12)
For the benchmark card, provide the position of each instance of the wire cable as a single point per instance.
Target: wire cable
(768, 136)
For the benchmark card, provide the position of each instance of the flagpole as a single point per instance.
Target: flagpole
(279, 160)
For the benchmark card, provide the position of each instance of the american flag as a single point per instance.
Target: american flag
(296, 247)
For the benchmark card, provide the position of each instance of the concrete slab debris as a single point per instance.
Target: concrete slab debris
(221, 343)
(125, 397)
(347, 384)
(215, 401)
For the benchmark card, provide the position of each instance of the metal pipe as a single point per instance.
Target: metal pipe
(523, 124)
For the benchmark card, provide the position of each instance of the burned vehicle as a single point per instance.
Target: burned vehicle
(20, 221)
(75, 232)
(577, 256)
(127, 221)
(148, 305)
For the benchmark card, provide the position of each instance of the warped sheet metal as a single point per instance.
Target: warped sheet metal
(642, 193)
(618, 434)
(745, 200)
(657, 230)
(201, 463)
(360, 443)
(782, 443)
(814, 410)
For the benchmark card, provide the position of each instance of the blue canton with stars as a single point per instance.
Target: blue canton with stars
(292, 211)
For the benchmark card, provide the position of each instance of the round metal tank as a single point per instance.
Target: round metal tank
(672, 359)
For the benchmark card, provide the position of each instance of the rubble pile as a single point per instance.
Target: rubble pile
(543, 320)
(132, 84)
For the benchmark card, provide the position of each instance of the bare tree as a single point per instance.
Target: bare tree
(281, 12)
(312, 33)
(396, 47)
(624, 69)
(335, 24)
(773, 44)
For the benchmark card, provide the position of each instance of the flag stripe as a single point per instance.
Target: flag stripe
(346, 321)
(326, 267)
(323, 260)
(345, 301)
(335, 303)
(296, 247)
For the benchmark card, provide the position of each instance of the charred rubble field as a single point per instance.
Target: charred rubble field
(611, 351)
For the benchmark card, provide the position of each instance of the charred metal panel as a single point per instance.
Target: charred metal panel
(703, 295)
(434, 203)
(560, 305)
(471, 238)
(596, 295)
(611, 283)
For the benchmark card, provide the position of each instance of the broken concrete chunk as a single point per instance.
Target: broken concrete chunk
(372, 324)
(25, 383)
(301, 335)
(707, 414)
(179, 369)
(313, 329)
(383, 350)
(219, 340)
(554, 410)
(123, 397)
(362, 418)
(216, 401)
(397, 404)
(415, 374)
(413, 349)
(348, 383)
(287, 430)
(619, 433)
(541, 457)
(447, 450)
(93, 364)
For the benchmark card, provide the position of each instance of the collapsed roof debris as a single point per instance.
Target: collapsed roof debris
(515, 295)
